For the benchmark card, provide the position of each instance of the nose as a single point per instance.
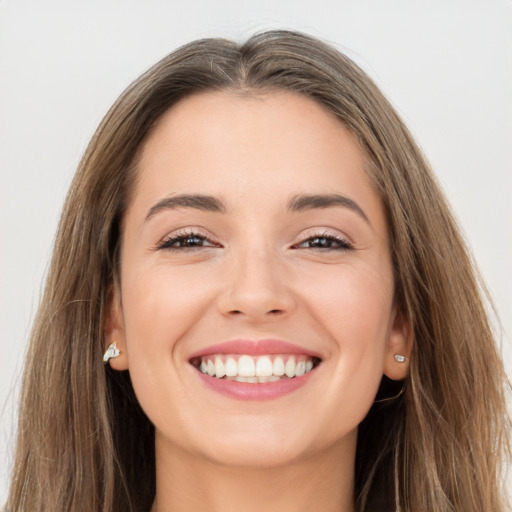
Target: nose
(256, 288)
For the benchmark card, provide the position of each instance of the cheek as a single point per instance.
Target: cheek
(353, 303)
(160, 304)
(354, 307)
(160, 308)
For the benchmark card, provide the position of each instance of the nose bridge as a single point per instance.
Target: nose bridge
(256, 286)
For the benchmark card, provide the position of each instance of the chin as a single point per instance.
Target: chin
(266, 444)
(255, 456)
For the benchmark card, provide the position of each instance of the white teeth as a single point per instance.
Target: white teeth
(231, 367)
(255, 380)
(220, 370)
(289, 369)
(254, 369)
(264, 366)
(300, 369)
(246, 367)
(278, 366)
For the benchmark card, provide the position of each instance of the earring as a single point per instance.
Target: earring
(400, 359)
(111, 352)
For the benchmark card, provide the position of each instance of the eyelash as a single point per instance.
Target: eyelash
(168, 243)
(342, 243)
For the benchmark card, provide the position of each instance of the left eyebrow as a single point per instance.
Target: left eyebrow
(303, 202)
(196, 201)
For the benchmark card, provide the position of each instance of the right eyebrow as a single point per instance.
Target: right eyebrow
(197, 201)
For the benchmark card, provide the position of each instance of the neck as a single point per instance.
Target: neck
(188, 483)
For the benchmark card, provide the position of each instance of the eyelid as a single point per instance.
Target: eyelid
(328, 233)
(321, 231)
(310, 233)
(191, 231)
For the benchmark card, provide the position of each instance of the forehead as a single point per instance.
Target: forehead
(251, 147)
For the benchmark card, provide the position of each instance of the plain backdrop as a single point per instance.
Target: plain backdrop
(446, 65)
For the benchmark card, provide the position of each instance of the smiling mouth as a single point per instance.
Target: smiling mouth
(255, 369)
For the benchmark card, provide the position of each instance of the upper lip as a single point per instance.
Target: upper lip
(254, 347)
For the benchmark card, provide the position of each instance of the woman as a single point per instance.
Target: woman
(289, 318)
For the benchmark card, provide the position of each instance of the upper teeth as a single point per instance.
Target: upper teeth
(244, 367)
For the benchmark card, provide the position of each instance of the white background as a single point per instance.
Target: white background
(446, 65)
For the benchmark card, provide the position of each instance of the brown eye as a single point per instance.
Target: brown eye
(325, 243)
(189, 241)
(186, 241)
(321, 243)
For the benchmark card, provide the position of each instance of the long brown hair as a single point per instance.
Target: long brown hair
(83, 441)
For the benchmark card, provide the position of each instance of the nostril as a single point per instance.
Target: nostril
(272, 312)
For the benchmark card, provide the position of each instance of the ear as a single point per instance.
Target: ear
(114, 329)
(400, 342)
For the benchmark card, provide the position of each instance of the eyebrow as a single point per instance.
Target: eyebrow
(298, 203)
(197, 201)
(304, 202)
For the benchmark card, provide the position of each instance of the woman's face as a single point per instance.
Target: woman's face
(254, 245)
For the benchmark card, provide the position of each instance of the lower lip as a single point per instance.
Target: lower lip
(256, 391)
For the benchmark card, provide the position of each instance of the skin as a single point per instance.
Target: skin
(258, 275)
